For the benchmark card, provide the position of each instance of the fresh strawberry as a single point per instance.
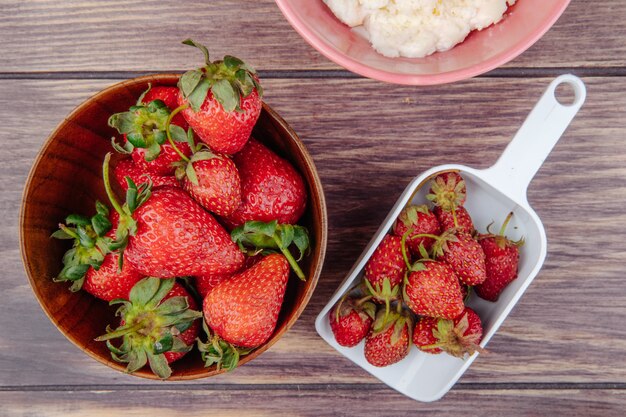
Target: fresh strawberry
(108, 282)
(458, 337)
(464, 254)
(127, 168)
(501, 260)
(206, 283)
(143, 128)
(423, 337)
(447, 191)
(385, 270)
(244, 310)
(212, 179)
(432, 289)
(223, 101)
(389, 339)
(351, 320)
(92, 244)
(271, 188)
(419, 220)
(176, 237)
(447, 219)
(169, 96)
(156, 326)
(166, 233)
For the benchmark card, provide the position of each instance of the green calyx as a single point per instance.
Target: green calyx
(441, 242)
(447, 194)
(90, 245)
(501, 240)
(363, 306)
(144, 126)
(151, 326)
(256, 236)
(219, 352)
(453, 340)
(200, 152)
(410, 215)
(135, 197)
(383, 291)
(229, 80)
(398, 319)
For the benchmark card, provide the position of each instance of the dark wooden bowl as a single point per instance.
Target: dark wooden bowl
(66, 178)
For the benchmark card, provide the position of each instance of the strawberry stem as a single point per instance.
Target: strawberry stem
(405, 256)
(505, 224)
(169, 135)
(107, 185)
(290, 258)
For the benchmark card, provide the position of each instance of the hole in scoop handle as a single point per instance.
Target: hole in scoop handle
(534, 141)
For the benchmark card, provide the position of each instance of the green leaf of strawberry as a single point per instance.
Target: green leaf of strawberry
(273, 236)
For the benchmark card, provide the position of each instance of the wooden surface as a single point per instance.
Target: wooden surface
(562, 349)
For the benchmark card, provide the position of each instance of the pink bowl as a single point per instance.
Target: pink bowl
(482, 51)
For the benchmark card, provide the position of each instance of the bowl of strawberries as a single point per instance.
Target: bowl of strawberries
(174, 226)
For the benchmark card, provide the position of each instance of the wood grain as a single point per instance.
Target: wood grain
(304, 401)
(145, 36)
(368, 142)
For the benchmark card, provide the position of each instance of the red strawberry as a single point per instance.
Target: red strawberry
(156, 326)
(385, 270)
(464, 254)
(423, 336)
(223, 101)
(463, 220)
(447, 191)
(389, 339)
(244, 310)
(169, 96)
(501, 260)
(176, 237)
(351, 320)
(127, 168)
(271, 188)
(143, 127)
(206, 283)
(108, 283)
(458, 337)
(213, 181)
(433, 290)
(421, 221)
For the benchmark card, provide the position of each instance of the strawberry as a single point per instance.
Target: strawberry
(92, 244)
(156, 326)
(244, 310)
(221, 101)
(166, 233)
(212, 179)
(464, 254)
(423, 337)
(206, 283)
(144, 127)
(351, 320)
(389, 339)
(501, 260)
(127, 168)
(458, 219)
(169, 96)
(108, 282)
(432, 289)
(419, 220)
(271, 188)
(385, 270)
(447, 191)
(458, 337)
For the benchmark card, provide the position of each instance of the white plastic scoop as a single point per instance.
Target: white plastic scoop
(491, 194)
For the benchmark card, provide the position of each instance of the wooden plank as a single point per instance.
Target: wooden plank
(119, 35)
(301, 401)
(368, 140)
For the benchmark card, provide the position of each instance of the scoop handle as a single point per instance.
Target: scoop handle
(535, 139)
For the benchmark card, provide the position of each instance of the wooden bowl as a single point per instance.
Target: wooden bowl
(66, 178)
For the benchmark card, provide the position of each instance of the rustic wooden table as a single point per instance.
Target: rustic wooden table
(562, 349)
